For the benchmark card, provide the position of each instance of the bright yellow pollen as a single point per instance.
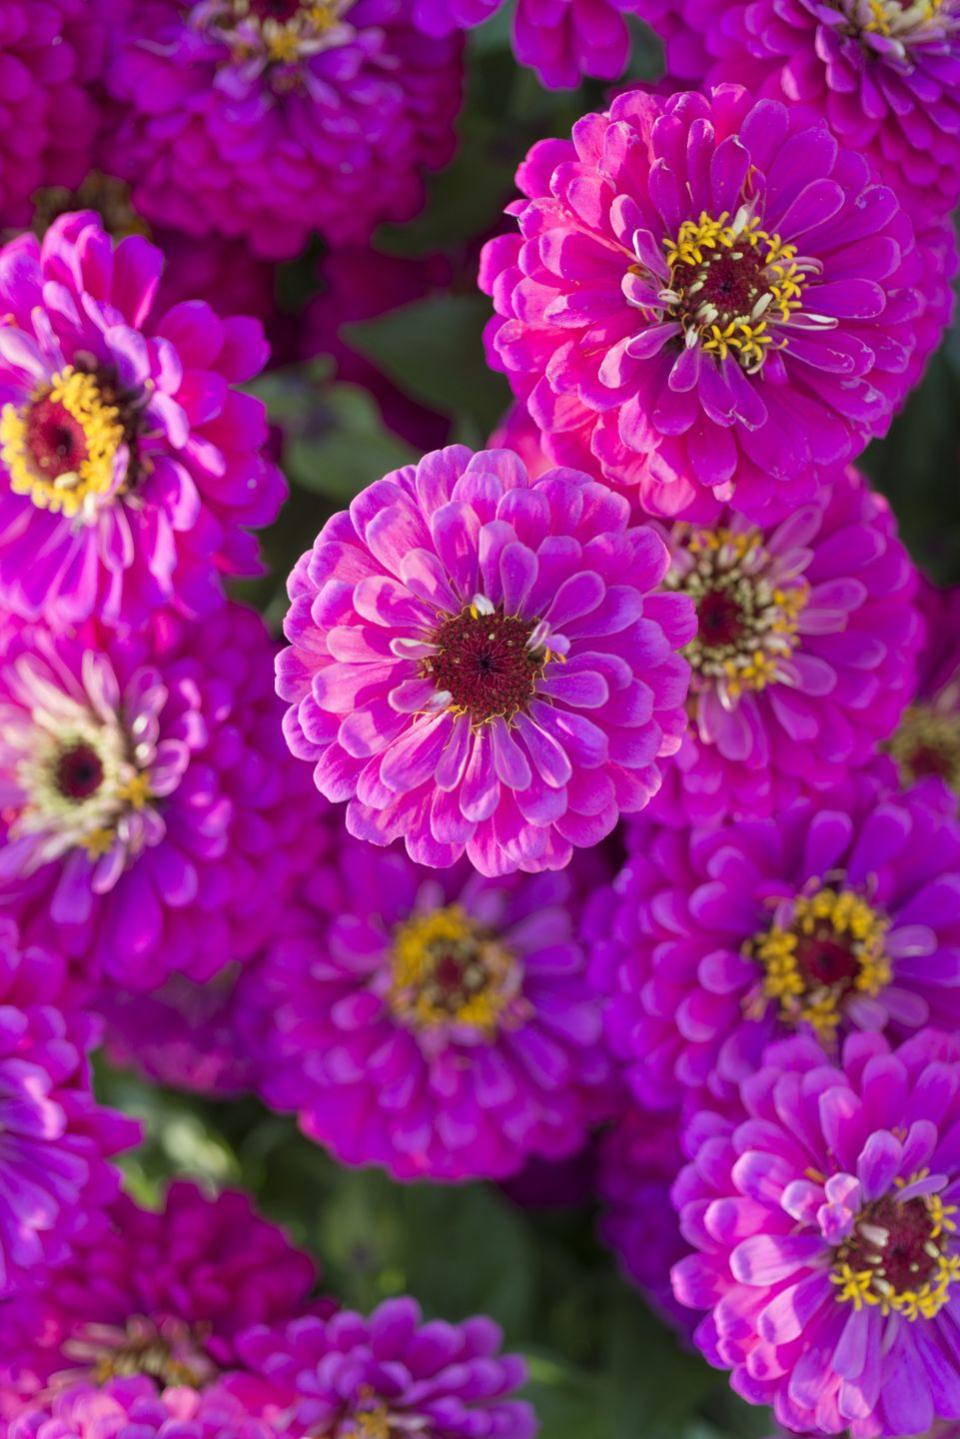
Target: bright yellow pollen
(845, 918)
(865, 1287)
(747, 336)
(98, 842)
(893, 18)
(446, 968)
(75, 492)
(136, 791)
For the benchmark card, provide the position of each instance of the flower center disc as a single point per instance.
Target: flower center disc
(897, 1257)
(831, 948)
(168, 1351)
(79, 772)
(720, 619)
(927, 743)
(448, 969)
(486, 664)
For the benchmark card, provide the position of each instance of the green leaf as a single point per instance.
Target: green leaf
(432, 350)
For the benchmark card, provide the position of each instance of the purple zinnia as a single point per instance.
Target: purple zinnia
(640, 1157)
(133, 465)
(440, 1025)
(824, 1216)
(805, 654)
(386, 1374)
(165, 1295)
(926, 744)
(152, 821)
(266, 119)
(708, 297)
(479, 662)
(561, 41)
(841, 912)
(55, 1140)
(885, 75)
(131, 1408)
(51, 53)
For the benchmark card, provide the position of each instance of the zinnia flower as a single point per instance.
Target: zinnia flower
(55, 1140)
(708, 297)
(640, 1157)
(805, 655)
(164, 1295)
(51, 54)
(562, 42)
(884, 74)
(153, 823)
(133, 467)
(478, 662)
(266, 119)
(390, 1373)
(839, 913)
(132, 1409)
(926, 743)
(824, 1220)
(438, 1025)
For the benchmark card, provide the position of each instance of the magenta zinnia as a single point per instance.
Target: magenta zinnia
(839, 913)
(824, 1215)
(805, 654)
(439, 1025)
(132, 467)
(131, 1408)
(55, 1140)
(152, 820)
(708, 297)
(266, 121)
(479, 662)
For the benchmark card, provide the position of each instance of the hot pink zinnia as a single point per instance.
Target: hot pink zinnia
(439, 1025)
(885, 75)
(824, 1216)
(51, 54)
(478, 662)
(839, 913)
(152, 820)
(805, 655)
(55, 1140)
(389, 1373)
(133, 468)
(708, 297)
(126, 1408)
(163, 1294)
(266, 119)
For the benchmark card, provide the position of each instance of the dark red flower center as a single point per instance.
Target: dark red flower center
(927, 742)
(720, 617)
(485, 663)
(55, 438)
(825, 958)
(733, 285)
(894, 1242)
(274, 9)
(79, 772)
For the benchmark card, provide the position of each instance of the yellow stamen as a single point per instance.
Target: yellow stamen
(74, 493)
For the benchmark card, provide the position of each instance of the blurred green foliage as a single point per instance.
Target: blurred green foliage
(602, 1365)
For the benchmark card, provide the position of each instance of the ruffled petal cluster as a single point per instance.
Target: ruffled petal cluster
(838, 914)
(805, 656)
(55, 1140)
(885, 75)
(479, 662)
(162, 1294)
(133, 468)
(823, 1214)
(153, 822)
(133, 1409)
(51, 53)
(441, 1026)
(710, 298)
(267, 126)
(389, 1373)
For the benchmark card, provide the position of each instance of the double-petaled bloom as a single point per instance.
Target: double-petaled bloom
(838, 914)
(152, 821)
(131, 467)
(805, 654)
(439, 1025)
(709, 297)
(480, 662)
(268, 119)
(132, 1408)
(823, 1207)
(56, 1142)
